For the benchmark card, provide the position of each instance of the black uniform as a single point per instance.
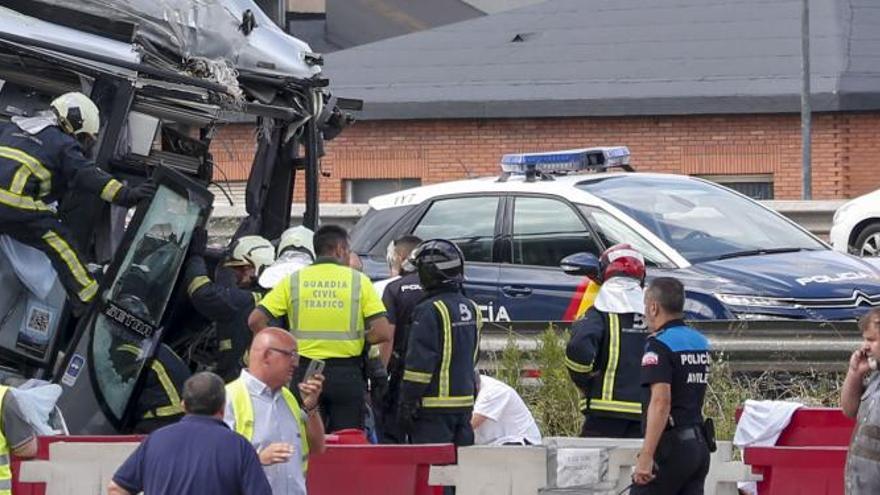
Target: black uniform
(438, 380)
(678, 355)
(603, 358)
(228, 306)
(400, 298)
(159, 402)
(36, 170)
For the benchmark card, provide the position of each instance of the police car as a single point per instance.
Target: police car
(738, 259)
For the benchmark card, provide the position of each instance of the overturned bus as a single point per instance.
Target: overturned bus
(164, 75)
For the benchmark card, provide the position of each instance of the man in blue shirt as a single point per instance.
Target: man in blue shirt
(198, 455)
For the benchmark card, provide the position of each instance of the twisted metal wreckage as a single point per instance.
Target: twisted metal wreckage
(165, 74)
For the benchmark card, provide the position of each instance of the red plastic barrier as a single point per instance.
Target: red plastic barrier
(377, 469)
(346, 467)
(43, 443)
(809, 456)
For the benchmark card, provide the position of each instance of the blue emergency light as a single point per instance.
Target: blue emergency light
(555, 162)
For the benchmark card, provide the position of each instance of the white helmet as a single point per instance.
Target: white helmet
(77, 114)
(297, 237)
(252, 250)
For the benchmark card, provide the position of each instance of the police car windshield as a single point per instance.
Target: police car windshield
(702, 221)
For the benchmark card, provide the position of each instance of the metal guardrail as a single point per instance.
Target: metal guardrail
(746, 346)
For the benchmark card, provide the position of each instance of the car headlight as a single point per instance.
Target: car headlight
(757, 301)
(840, 211)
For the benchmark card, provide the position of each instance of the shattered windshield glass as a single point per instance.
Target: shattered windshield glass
(136, 300)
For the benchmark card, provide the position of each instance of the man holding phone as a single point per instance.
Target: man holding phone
(860, 397)
(260, 407)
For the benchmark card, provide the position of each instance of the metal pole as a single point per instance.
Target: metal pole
(806, 110)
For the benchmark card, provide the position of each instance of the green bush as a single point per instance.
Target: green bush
(553, 397)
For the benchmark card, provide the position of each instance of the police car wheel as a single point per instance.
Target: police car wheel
(868, 241)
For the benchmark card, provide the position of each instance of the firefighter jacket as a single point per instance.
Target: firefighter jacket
(228, 307)
(603, 358)
(443, 347)
(37, 169)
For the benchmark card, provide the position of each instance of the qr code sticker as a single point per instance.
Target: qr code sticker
(39, 320)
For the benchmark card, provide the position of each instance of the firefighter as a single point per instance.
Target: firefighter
(41, 157)
(228, 300)
(329, 308)
(439, 386)
(159, 402)
(606, 347)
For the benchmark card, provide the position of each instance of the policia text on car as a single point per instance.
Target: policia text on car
(41, 157)
(328, 307)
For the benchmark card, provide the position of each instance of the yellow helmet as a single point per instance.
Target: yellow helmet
(252, 250)
(77, 114)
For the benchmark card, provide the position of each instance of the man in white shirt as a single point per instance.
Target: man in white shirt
(261, 408)
(501, 417)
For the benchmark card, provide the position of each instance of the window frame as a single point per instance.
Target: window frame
(505, 240)
(426, 205)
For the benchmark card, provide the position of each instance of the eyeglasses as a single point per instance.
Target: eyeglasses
(290, 354)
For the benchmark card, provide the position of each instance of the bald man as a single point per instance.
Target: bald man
(262, 409)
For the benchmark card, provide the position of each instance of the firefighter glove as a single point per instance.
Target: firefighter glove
(199, 242)
(130, 196)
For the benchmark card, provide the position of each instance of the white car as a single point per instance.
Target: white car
(856, 226)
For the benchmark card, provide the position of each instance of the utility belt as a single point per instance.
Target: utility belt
(704, 431)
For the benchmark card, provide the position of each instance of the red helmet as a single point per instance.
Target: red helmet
(621, 260)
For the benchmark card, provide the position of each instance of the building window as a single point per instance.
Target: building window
(758, 187)
(361, 190)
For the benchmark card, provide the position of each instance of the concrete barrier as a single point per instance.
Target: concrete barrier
(569, 466)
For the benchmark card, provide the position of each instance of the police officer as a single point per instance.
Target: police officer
(328, 307)
(606, 348)
(439, 386)
(41, 157)
(400, 296)
(675, 370)
(229, 301)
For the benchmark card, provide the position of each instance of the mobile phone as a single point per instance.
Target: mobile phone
(316, 367)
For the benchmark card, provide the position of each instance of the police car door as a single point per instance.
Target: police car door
(115, 341)
(473, 223)
(539, 232)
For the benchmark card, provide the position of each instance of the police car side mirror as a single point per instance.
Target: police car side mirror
(581, 264)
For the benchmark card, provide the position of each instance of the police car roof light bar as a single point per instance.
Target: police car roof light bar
(566, 161)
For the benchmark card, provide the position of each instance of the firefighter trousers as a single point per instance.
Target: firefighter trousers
(43, 231)
(431, 427)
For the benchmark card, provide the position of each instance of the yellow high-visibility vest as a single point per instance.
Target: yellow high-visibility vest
(243, 408)
(5, 469)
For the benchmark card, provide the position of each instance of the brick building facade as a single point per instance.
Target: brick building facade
(845, 148)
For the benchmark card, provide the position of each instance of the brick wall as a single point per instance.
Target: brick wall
(844, 148)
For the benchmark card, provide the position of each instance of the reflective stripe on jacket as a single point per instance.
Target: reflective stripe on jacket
(603, 359)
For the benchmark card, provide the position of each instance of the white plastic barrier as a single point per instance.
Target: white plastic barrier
(77, 468)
